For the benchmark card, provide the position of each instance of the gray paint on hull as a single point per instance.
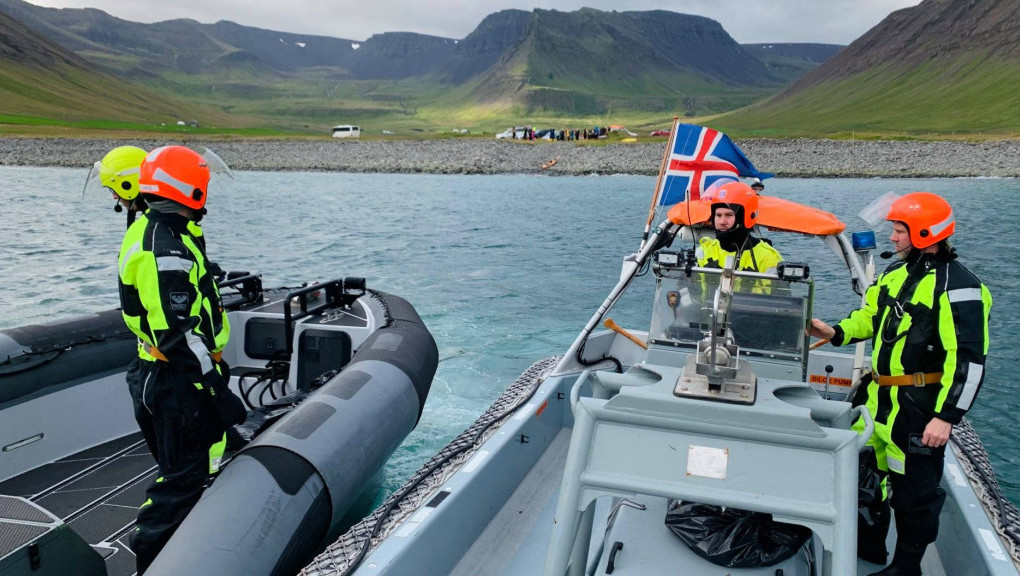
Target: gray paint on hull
(343, 435)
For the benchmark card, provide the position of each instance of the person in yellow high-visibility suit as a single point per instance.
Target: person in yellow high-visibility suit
(171, 301)
(927, 318)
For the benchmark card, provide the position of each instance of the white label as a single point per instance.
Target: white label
(957, 474)
(411, 524)
(475, 462)
(524, 411)
(992, 543)
(707, 462)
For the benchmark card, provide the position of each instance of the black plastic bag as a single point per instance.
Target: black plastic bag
(872, 510)
(735, 538)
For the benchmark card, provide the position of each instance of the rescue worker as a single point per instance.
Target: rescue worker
(927, 316)
(734, 214)
(170, 300)
(118, 173)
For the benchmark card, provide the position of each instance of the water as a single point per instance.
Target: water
(505, 270)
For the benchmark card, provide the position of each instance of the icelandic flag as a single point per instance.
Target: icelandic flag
(699, 157)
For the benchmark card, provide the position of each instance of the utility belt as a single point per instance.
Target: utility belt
(915, 379)
(155, 353)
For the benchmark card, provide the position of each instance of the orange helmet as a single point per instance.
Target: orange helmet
(928, 217)
(175, 173)
(734, 195)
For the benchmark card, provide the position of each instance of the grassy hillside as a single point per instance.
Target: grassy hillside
(938, 69)
(43, 83)
(971, 94)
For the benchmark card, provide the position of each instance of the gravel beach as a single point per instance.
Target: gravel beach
(790, 158)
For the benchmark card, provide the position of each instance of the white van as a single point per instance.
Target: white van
(346, 131)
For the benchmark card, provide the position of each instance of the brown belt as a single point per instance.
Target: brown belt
(155, 353)
(915, 379)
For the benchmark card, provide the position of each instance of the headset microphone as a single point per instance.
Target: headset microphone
(118, 208)
(888, 254)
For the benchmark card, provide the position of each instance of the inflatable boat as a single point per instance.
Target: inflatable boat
(335, 376)
(586, 461)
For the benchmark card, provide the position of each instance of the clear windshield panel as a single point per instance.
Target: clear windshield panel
(767, 315)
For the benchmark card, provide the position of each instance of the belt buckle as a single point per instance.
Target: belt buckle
(918, 379)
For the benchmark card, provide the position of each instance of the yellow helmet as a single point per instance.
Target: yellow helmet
(119, 170)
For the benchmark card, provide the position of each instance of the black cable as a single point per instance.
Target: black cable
(605, 357)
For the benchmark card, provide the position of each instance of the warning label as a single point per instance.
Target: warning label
(819, 379)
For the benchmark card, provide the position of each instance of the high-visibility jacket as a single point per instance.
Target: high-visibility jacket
(169, 297)
(924, 316)
(196, 232)
(762, 257)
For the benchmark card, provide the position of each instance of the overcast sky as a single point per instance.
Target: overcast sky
(748, 21)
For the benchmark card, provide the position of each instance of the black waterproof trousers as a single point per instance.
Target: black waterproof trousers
(189, 440)
(917, 497)
(135, 374)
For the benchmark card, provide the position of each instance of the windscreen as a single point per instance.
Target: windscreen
(767, 315)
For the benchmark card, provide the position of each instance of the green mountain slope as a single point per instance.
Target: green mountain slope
(941, 68)
(39, 80)
(581, 67)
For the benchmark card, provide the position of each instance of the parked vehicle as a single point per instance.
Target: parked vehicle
(514, 132)
(659, 133)
(346, 131)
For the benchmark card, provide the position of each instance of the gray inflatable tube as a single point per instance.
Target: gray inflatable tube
(278, 502)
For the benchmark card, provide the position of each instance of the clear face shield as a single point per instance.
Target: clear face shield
(215, 163)
(95, 188)
(875, 212)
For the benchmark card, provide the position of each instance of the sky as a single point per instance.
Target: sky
(747, 21)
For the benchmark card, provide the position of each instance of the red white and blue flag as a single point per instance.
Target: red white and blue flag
(698, 158)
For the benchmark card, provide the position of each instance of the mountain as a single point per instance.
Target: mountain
(587, 63)
(43, 80)
(791, 61)
(940, 67)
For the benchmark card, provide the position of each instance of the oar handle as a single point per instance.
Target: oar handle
(619, 330)
(819, 344)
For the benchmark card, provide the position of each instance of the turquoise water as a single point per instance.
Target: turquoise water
(505, 270)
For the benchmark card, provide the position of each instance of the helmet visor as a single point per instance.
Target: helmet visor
(875, 212)
(215, 163)
(94, 188)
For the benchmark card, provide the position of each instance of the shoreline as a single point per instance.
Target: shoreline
(786, 158)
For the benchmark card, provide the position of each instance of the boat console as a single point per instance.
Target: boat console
(718, 414)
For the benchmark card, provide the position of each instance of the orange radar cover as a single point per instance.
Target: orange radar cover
(773, 213)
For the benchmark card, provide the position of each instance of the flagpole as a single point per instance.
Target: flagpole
(658, 183)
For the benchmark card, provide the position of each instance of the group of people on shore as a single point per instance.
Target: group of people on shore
(566, 134)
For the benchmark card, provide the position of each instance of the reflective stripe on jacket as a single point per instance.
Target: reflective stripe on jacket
(938, 324)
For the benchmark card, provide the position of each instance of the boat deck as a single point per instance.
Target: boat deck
(96, 492)
(518, 536)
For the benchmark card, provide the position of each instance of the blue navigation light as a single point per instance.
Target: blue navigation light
(863, 241)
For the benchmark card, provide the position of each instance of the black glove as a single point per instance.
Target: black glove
(229, 406)
(218, 273)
